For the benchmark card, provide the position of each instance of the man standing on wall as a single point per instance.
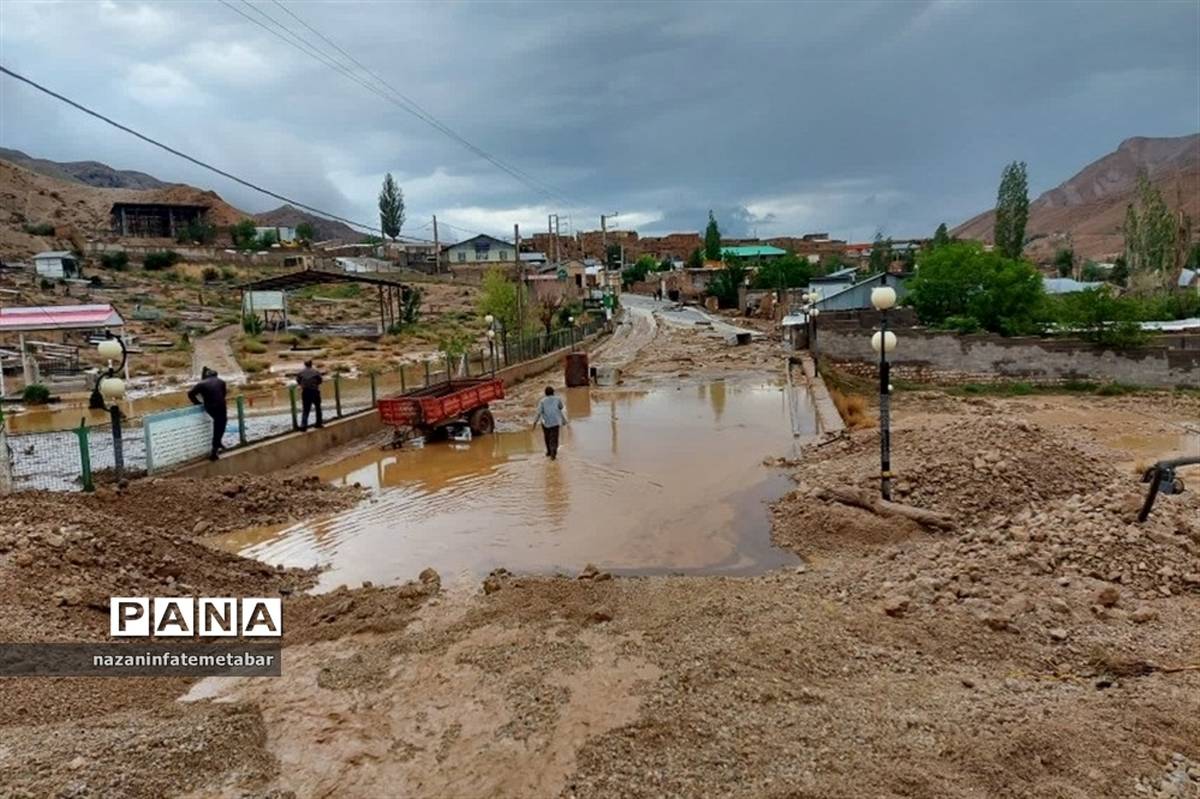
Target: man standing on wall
(553, 416)
(309, 380)
(210, 392)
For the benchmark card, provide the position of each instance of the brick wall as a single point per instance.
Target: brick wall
(933, 356)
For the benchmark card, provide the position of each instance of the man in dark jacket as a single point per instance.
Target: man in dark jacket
(210, 392)
(309, 380)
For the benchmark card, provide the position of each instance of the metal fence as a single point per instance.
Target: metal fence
(97, 453)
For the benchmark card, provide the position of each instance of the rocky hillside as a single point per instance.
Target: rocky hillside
(1088, 209)
(29, 199)
(326, 229)
(89, 173)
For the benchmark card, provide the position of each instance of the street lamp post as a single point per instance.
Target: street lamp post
(110, 389)
(571, 322)
(883, 342)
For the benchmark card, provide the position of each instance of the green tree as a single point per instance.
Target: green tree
(1012, 210)
(960, 282)
(391, 207)
(410, 305)
(1119, 274)
(726, 282)
(696, 259)
(1150, 236)
(941, 235)
(1064, 262)
(639, 271)
(243, 234)
(267, 240)
(712, 239)
(306, 232)
(505, 300)
(788, 272)
(1101, 316)
(881, 254)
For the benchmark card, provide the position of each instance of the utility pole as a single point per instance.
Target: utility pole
(604, 235)
(437, 250)
(520, 282)
(557, 246)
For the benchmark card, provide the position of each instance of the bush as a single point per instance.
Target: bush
(35, 394)
(1099, 315)
(210, 274)
(251, 366)
(253, 346)
(197, 231)
(156, 261)
(725, 284)
(1000, 294)
(39, 229)
(243, 234)
(46, 284)
(116, 261)
(228, 273)
(252, 325)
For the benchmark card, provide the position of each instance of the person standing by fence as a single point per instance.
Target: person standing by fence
(309, 380)
(210, 392)
(553, 416)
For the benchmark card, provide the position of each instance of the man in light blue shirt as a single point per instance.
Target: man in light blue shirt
(552, 415)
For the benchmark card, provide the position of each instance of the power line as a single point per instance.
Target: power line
(183, 155)
(399, 99)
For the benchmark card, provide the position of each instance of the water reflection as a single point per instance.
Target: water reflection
(657, 480)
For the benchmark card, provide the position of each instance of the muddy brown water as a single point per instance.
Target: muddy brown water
(665, 480)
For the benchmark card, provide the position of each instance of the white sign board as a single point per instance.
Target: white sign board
(259, 301)
(176, 436)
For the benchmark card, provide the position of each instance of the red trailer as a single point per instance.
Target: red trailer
(424, 410)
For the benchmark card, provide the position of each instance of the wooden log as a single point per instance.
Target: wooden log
(866, 500)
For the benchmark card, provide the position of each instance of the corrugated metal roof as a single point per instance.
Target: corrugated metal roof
(54, 254)
(1067, 285)
(751, 252)
(59, 317)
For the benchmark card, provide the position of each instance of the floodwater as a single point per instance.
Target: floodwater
(665, 480)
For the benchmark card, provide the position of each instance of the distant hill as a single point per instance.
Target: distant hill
(30, 199)
(1088, 210)
(89, 173)
(326, 229)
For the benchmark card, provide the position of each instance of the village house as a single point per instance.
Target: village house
(481, 249)
(55, 265)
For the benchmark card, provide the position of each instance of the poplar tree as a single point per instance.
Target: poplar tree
(1012, 210)
(391, 208)
(712, 239)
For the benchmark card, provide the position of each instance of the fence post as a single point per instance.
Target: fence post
(241, 411)
(403, 388)
(449, 376)
(5, 459)
(373, 395)
(427, 372)
(85, 457)
(337, 393)
(292, 401)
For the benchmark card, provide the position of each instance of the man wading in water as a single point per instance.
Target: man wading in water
(552, 415)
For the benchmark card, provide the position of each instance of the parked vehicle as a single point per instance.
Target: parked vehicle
(426, 411)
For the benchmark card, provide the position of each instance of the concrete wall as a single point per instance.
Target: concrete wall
(932, 356)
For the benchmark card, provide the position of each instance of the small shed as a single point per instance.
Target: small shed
(41, 319)
(55, 264)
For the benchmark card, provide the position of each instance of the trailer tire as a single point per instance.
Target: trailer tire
(481, 422)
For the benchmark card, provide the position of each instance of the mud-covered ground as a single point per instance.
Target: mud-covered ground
(1020, 638)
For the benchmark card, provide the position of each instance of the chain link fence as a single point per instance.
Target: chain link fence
(96, 453)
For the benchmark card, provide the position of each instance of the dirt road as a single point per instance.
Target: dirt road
(1029, 641)
(213, 350)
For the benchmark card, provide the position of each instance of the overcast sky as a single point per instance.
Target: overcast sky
(844, 117)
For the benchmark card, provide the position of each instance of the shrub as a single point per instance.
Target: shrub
(210, 274)
(38, 229)
(95, 281)
(228, 273)
(252, 325)
(156, 261)
(252, 366)
(35, 394)
(243, 234)
(725, 283)
(197, 231)
(1099, 315)
(46, 284)
(116, 261)
(253, 346)
(1115, 390)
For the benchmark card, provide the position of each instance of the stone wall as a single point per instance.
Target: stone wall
(934, 356)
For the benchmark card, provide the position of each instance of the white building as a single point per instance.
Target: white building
(480, 250)
(284, 235)
(56, 264)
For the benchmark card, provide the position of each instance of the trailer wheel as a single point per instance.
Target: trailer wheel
(481, 422)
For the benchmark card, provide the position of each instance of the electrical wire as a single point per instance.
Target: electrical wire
(391, 95)
(192, 159)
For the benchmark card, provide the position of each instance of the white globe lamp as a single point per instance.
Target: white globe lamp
(110, 349)
(883, 297)
(112, 388)
(887, 340)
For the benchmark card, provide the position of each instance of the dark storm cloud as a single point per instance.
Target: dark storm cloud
(782, 117)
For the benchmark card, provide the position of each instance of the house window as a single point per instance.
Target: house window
(462, 256)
